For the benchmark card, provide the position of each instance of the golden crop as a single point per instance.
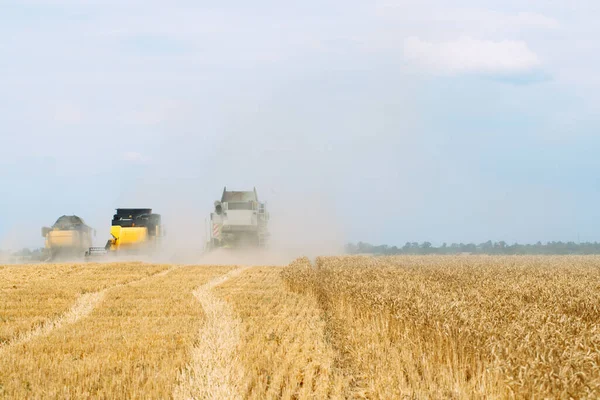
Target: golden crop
(283, 348)
(31, 295)
(461, 327)
(438, 327)
(132, 346)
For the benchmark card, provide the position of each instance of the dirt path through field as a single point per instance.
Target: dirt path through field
(83, 306)
(283, 349)
(215, 371)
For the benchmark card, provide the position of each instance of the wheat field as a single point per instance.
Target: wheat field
(431, 327)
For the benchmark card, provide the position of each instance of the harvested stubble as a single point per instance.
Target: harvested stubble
(282, 345)
(31, 295)
(132, 346)
(461, 327)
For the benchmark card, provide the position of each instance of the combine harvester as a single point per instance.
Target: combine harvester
(238, 221)
(134, 231)
(68, 237)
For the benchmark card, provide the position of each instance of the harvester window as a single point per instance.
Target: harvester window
(246, 205)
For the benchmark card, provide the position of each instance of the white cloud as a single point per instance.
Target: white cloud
(468, 55)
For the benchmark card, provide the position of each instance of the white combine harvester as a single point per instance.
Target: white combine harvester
(239, 220)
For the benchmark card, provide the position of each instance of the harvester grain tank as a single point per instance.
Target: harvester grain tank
(70, 236)
(133, 231)
(238, 220)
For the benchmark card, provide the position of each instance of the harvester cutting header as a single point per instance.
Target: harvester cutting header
(239, 220)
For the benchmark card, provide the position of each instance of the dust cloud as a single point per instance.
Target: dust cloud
(303, 220)
(300, 225)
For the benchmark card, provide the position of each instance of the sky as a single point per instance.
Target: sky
(381, 121)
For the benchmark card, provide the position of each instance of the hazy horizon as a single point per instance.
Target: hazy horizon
(384, 122)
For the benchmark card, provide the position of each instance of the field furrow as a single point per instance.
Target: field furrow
(214, 371)
(83, 306)
(133, 345)
(282, 344)
(414, 327)
(35, 298)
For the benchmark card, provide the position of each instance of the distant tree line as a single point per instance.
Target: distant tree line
(488, 247)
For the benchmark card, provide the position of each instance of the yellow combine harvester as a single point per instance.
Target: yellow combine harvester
(134, 231)
(68, 237)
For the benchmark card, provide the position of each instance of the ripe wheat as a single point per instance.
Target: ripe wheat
(131, 346)
(282, 346)
(461, 327)
(33, 295)
(343, 327)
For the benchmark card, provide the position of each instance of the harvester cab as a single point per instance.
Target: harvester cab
(133, 231)
(239, 220)
(69, 237)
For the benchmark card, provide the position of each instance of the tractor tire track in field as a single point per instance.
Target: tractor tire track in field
(215, 371)
(83, 306)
